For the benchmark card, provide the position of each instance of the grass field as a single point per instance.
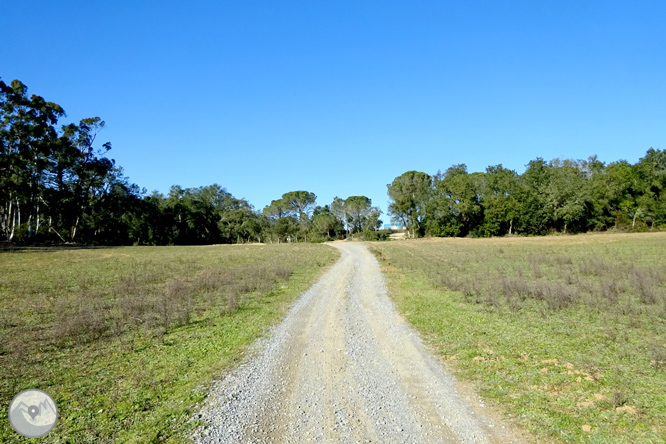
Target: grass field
(566, 333)
(125, 339)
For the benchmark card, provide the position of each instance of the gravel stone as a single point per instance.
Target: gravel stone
(342, 367)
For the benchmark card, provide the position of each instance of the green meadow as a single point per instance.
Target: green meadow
(566, 334)
(126, 339)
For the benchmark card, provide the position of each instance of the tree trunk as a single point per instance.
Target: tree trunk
(510, 226)
(58, 234)
(633, 223)
(9, 233)
(73, 230)
(17, 217)
(37, 223)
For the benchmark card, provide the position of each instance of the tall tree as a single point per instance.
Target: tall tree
(81, 173)
(27, 142)
(455, 207)
(500, 201)
(338, 210)
(409, 195)
(301, 203)
(357, 209)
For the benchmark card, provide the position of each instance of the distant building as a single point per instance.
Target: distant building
(394, 227)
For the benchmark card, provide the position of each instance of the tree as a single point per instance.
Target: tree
(455, 206)
(338, 210)
(277, 209)
(535, 217)
(649, 187)
(499, 198)
(27, 142)
(301, 203)
(409, 194)
(326, 225)
(566, 196)
(81, 172)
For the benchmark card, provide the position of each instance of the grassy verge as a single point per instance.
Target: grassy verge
(124, 338)
(568, 333)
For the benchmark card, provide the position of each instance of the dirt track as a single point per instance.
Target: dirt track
(344, 367)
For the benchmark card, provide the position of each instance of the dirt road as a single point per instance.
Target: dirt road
(344, 367)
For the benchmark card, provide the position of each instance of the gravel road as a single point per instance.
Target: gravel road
(344, 367)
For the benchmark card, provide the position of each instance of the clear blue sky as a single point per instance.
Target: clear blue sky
(340, 97)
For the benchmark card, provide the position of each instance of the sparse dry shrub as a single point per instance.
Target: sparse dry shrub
(594, 267)
(555, 295)
(282, 272)
(519, 271)
(212, 280)
(620, 397)
(562, 260)
(657, 355)
(85, 284)
(229, 302)
(448, 280)
(134, 308)
(540, 258)
(645, 283)
(176, 304)
(569, 278)
(609, 290)
(81, 320)
(515, 288)
(537, 273)
(127, 285)
(474, 291)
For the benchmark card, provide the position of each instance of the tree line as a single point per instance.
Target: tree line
(57, 185)
(565, 196)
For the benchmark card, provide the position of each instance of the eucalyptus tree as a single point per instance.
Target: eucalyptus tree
(81, 173)
(28, 139)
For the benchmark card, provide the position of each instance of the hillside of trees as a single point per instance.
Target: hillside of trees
(58, 186)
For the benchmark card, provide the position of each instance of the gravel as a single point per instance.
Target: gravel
(343, 367)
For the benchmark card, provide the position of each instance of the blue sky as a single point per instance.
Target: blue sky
(340, 97)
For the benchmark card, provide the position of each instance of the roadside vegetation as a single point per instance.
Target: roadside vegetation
(567, 333)
(125, 339)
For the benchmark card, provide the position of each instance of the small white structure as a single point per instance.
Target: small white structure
(394, 227)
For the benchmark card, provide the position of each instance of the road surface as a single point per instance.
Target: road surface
(344, 367)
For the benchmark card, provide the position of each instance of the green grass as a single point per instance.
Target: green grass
(126, 339)
(567, 334)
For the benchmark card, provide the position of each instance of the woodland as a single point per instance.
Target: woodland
(58, 186)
